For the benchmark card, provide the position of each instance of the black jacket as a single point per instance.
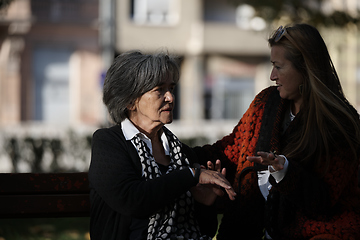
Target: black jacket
(118, 193)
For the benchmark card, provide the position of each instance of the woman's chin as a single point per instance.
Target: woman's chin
(167, 120)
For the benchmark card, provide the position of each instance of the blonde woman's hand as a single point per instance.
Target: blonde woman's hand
(268, 159)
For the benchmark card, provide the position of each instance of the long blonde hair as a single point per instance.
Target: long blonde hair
(326, 115)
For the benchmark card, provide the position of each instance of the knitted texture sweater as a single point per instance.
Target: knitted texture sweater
(303, 205)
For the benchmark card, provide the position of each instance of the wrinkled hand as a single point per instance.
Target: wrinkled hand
(207, 193)
(217, 179)
(268, 158)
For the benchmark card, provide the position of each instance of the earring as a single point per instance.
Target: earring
(301, 86)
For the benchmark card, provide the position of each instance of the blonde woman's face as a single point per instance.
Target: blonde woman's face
(285, 75)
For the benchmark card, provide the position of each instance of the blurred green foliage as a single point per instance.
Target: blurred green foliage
(315, 12)
(45, 229)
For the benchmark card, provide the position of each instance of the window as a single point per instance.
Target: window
(155, 12)
(70, 11)
(51, 85)
(230, 97)
(229, 86)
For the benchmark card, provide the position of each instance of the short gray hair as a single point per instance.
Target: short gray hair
(131, 75)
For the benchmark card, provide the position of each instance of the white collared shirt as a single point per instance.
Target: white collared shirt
(264, 184)
(130, 131)
(263, 178)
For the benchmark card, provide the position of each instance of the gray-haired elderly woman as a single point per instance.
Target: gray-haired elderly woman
(143, 181)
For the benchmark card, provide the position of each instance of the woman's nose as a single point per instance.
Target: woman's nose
(169, 97)
(273, 75)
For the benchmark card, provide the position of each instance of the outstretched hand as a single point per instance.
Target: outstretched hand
(210, 181)
(268, 158)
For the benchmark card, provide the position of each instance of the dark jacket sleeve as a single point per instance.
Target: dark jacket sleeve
(115, 174)
(206, 215)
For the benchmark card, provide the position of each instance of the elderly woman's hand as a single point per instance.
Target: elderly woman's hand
(268, 158)
(216, 179)
(207, 193)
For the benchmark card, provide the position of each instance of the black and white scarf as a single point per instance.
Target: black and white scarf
(177, 220)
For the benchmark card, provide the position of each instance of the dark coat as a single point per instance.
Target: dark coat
(118, 193)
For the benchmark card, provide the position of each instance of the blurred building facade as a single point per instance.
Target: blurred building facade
(223, 66)
(50, 62)
(50, 80)
(225, 56)
(54, 55)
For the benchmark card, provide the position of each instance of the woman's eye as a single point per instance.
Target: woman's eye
(164, 89)
(158, 89)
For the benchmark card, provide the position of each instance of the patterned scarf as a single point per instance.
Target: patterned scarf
(177, 220)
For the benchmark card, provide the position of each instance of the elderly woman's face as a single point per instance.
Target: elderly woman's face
(155, 107)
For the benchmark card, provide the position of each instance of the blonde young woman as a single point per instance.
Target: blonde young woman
(293, 157)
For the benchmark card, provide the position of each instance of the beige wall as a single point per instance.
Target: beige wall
(175, 37)
(15, 22)
(191, 35)
(85, 88)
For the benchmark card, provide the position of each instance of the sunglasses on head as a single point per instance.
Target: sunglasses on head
(281, 32)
